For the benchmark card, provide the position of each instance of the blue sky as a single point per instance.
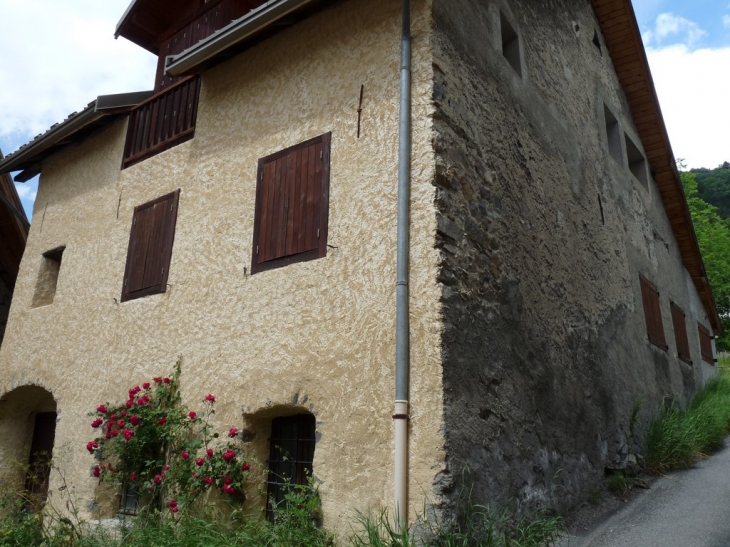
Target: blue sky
(59, 55)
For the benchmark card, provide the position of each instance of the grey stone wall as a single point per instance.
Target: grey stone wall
(545, 345)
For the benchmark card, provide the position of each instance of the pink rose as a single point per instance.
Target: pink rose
(199, 462)
(228, 489)
(210, 398)
(96, 423)
(174, 509)
(102, 409)
(227, 480)
(232, 432)
(158, 380)
(167, 467)
(135, 420)
(172, 503)
(185, 455)
(115, 432)
(246, 466)
(208, 480)
(157, 479)
(146, 385)
(97, 471)
(120, 424)
(192, 414)
(128, 434)
(228, 455)
(166, 380)
(123, 413)
(133, 477)
(162, 421)
(91, 445)
(209, 453)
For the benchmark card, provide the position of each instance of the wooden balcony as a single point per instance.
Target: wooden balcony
(162, 121)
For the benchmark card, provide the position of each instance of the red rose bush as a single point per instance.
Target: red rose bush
(166, 452)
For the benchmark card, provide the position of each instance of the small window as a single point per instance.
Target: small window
(510, 44)
(653, 313)
(45, 287)
(292, 203)
(637, 162)
(680, 333)
(613, 135)
(291, 456)
(150, 247)
(705, 344)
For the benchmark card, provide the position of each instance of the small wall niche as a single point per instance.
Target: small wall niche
(637, 162)
(45, 287)
(613, 135)
(510, 44)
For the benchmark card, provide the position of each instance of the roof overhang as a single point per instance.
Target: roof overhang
(229, 40)
(623, 39)
(14, 227)
(100, 112)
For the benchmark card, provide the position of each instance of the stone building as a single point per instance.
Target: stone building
(243, 215)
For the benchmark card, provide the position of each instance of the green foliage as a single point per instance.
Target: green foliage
(713, 237)
(677, 437)
(713, 187)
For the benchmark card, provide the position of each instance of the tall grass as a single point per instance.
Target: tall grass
(480, 527)
(677, 437)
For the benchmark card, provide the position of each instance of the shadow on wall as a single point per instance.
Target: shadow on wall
(27, 433)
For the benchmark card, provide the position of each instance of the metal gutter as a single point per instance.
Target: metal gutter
(402, 312)
(230, 35)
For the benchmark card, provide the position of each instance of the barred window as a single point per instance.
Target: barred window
(291, 456)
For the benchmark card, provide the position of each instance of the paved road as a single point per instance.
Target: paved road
(686, 509)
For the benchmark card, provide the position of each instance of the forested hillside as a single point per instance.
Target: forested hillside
(708, 196)
(713, 187)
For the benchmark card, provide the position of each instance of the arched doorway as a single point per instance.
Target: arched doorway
(27, 434)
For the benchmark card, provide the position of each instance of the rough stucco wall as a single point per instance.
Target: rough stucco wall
(545, 348)
(315, 336)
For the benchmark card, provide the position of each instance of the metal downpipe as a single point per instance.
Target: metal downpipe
(402, 328)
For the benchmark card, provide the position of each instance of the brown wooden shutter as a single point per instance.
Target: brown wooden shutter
(150, 247)
(652, 313)
(292, 202)
(705, 344)
(680, 333)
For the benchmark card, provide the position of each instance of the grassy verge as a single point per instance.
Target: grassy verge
(677, 437)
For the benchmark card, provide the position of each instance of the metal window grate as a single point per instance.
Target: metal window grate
(290, 457)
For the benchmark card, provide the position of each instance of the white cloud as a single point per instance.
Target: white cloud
(693, 97)
(58, 56)
(26, 192)
(679, 29)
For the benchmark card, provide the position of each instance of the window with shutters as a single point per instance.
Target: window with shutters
(653, 313)
(705, 344)
(292, 204)
(290, 457)
(680, 333)
(150, 247)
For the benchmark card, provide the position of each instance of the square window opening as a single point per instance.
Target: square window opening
(637, 162)
(45, 287)
(510, 44)
(290, 458)
(613, 135)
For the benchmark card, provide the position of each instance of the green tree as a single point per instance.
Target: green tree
(713, 236)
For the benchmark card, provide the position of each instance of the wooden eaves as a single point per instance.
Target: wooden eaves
(623, 40)
(13, 230)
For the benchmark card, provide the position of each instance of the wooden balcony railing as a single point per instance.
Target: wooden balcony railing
(162, 121)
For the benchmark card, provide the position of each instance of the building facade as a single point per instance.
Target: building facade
(242, 215)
